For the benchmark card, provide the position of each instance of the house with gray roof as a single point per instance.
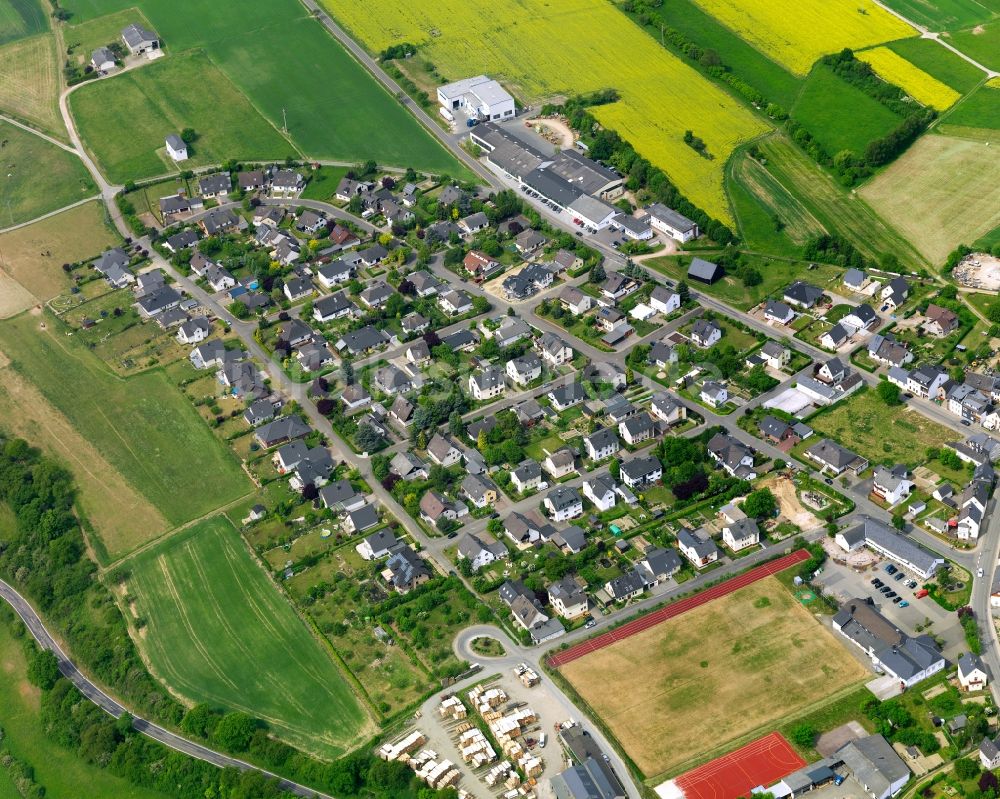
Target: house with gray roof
(698, 549)
(481, 549)
(802, 294)
(641, 471)
(140, 40)
(834, 458)
(903, 551)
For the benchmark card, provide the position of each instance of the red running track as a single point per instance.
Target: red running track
(676, 609)
(761, 762)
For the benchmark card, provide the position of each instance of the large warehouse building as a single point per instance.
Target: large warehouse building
(478, 97)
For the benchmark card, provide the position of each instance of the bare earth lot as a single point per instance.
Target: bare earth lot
(732, 667)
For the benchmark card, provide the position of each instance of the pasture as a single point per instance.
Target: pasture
(941, 192)
(767, 76)
(571, 47)
(980, 110)
(840, 116)
(676, 688)
(940, 62)
(836, 209)
(981, 42)
(218, 631)
(142, 425)
(29, 83)
(937, 15)
(925, 89)
(34, 254)
(795, 33)
(30, 191)
(21, 18)
(156, 100)
(866, 425)
(334, 108)
(59, 769)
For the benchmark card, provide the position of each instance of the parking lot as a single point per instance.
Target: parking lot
(843, 583)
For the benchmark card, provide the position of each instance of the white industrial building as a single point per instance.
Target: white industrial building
(478, 97)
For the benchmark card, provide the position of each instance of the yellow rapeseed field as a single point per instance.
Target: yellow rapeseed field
(795, 33)
(542, 49)
(914, 81)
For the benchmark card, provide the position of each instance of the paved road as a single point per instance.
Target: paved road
(112, 707)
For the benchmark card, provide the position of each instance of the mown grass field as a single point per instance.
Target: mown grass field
(946, 14)
(64, 775)
(941, 192)
(675, 687)
(159, 99)
(795, 33)
(840, 116)
(758, 198)
(29, 83)
(866, 425)
(71, 236)
(979, 111)
(31, 189)
(940, 62)
(836, 209)
(767, 76)
(218, 631)
(981, 42)
(922, 87)
(334, 108)
(21, 18)
(570, 47)
(143, 426)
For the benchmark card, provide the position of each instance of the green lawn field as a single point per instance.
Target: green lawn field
(218, 631)
(940, 15)
(37, 177)
(828, 202)
(30, 81)
(159, 99)
(839, 116)
(21, 18)
(61, 772)
(981, 42)
(939, 62)
(143, 425)
(767, 76)
(334, 108)
(981, 110)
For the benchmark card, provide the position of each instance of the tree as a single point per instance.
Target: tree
(760, 504)
(368, 438)
(189, 136)
(683, 291)
(597, 274)
(993, 313)
(898, 521)
(234, 731)
(43, 670)
(888, 393)
(199, 721)
(803, 735)
(967, 769)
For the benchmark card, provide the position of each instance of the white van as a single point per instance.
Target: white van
(542, 739)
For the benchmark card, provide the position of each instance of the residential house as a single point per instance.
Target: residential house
(554, 350)
(286, 182)
(778, 312)
(333, 306)
(618, 286)
(834, 458)
(893, 485)
(972, 674)
(895, 292)
(113, 265)
(667, 409)
(663, 300)
(217, 185)
(697, 549)
(563, 503)
(776, 355)
(626, 587)
(741, 534)
(637, 429)
(735, 457)
(194, 330)
(480, 490)
(884, 349)
(481, 550)
(835, 338)
(527, 476)
(567, 598)
(560, 463)
(480, 265)
(405, 570)
(102, 60)
(524, 369)
(413, 324)
(856, 280)
(334, 273)
(705, 333)
(571, 540)
(802, 294)
(377, 294)
(926, 380)
(575, 301)
(641, 471)
(377, 545)
(355, 396)
(529, 242)
(140, 40)
(566, 396)
(861, 317)
(359, 342)
(601, 491)
(659, 565)
(566, 260)
(418, 352)
(487, 384)
(455, 302)
(714, 393)
(443, 451)
(601, 444)
(311, 222)
(181, 240)
(282, 429)
(435, 506)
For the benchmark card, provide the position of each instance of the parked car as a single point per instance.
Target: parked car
(898, 576)
(891, 595)
(911, 584)
(904, 604)
(897, 600)
(890, 569)
(966, 422)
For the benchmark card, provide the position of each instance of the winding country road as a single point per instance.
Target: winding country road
(111, 706)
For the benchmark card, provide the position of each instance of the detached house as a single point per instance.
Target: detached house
(641, 471)
(940, 321)
(893, 485)
(524, 369)
(575, 301)
(741, 534)
(487, 384)
(664, 301)
(560, 463)
(526, 476)
(802, 294)
(567, 598)
(778, 312)
(481, 550)
(637, 429)
(705, 333)
(554, 350)
(700, 551)
(480, 265)
(601, 444)
(443, 452)
(667, 409)
(563, 503)
(601, 491)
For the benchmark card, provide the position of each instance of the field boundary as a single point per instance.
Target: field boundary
(675, 609)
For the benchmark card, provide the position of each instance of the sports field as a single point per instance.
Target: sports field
(63, 773)
(576, 46)
(34, 254)
(30, 191)
(924, 88)
(21, 18)
(981, 42)
(836, 209)
(840, 116)
(142, 425)
(938, 15)
(218, 631)
(333, 107)
(941, 192)
(676, 687)
(158, 99)
(29, 83)
(795, 33)
(940, 62)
